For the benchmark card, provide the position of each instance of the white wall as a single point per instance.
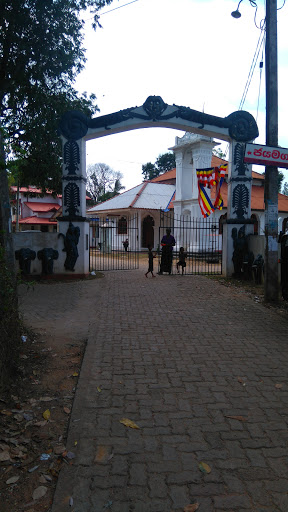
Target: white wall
(36, 240)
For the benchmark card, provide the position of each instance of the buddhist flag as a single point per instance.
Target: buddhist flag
(208, 178)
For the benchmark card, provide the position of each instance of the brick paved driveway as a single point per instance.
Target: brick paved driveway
(179, 356)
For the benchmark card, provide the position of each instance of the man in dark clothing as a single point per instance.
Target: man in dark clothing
(167, 243)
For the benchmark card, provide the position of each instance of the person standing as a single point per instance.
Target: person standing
(151, 256)
(181, 260)
(126, 244)
(167, 243)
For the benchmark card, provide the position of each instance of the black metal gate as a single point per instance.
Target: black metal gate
(201, 240)
(114, 243)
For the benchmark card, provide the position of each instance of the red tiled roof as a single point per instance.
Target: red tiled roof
(165, 176)
(32, 190)
(258, 176)
(257, 199)
(216, 161)
(170, 175)
(35, 220)
(282, 203)
(42, 207)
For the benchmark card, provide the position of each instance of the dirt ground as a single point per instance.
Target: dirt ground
(34, 415)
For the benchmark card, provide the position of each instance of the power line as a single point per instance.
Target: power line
(261, 69)
(252, 67)
(111, 10)
(281, 6)
(250, 74)
(120, 7)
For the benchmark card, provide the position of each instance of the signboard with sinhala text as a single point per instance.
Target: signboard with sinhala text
(265, 155)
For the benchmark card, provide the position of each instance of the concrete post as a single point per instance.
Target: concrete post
(271, 173)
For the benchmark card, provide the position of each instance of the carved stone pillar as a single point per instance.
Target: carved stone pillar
(73, 224)
(239, 203)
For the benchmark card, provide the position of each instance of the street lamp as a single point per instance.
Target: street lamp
(271, 173)
(237, 14)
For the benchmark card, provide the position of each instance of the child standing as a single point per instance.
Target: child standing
(181, 261)
(150, 261)
(126, 244)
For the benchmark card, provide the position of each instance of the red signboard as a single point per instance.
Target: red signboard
(264, 155)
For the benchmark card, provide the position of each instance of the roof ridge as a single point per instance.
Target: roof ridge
(138, 194)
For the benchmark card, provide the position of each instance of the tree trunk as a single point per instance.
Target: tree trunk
(6, 239)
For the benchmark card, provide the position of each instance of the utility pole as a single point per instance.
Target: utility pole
(271, 287)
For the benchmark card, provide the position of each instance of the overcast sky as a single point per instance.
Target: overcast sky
(189, 52)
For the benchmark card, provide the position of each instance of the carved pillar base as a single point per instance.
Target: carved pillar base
(228, 242)
(77, 254)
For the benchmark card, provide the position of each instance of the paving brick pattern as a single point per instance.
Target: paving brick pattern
(188, 360)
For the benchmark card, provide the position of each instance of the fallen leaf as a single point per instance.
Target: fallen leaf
(66, 410)
(6, 413)
(101, 454)
(4, 456)
(278, 386)
(75, 374)
(239, 418)
(204, 467)
(40, 423)
(191, 508)
(58, 450)
(31, 470)
(128, 423)
(46, 414)
(12, 480)
(39, 492)
(99, 389)
(48, 478)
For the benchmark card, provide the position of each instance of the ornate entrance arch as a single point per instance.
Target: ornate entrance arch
(76, 128)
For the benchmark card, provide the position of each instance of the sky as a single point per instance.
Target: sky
(189, 52)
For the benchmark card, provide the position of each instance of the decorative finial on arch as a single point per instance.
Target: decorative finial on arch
(242, 126)
(154, 107)
(73, 125)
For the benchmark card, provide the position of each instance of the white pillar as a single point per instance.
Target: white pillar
(191, 152)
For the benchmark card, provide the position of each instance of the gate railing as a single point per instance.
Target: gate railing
(108, 248)
(200, 239)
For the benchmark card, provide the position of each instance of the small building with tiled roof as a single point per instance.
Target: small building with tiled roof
(36, 210)
(138, 208)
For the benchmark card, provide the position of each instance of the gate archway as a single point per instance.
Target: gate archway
(76, 128)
